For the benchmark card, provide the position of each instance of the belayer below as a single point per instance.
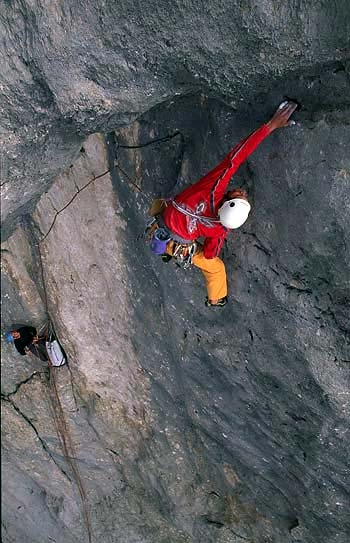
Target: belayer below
(46, 346)
(206, 210)
(26, 340)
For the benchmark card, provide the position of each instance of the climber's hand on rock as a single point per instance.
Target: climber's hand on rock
(282, 116)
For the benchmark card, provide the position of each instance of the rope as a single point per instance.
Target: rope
(151, 142)
(58, 415)
(67, 447)
(57, 411)
(207, 221)
(148, 198)
(72, 200)
(115, 165)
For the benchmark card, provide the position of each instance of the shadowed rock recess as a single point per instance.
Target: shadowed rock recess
(174, 423)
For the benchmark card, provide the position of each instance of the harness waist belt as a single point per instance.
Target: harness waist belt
(172, 234)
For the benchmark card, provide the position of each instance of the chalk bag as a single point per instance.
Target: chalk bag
(159, 241)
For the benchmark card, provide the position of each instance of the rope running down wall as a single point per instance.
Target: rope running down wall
(57, 411)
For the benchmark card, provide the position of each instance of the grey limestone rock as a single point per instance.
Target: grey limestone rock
(72, 69)
(172, 422)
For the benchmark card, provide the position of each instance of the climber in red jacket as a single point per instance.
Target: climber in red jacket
(206, 210)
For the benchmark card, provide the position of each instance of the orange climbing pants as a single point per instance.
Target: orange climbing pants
(214, 272)
(213, 269)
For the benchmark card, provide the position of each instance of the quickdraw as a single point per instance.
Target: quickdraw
(184, 254)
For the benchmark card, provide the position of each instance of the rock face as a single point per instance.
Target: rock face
(71, 70)
(172, 422)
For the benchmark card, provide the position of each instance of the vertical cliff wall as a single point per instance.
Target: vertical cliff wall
(187, 424)
(70, 70)
(181, 424)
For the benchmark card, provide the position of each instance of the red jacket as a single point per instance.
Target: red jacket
(204, 198)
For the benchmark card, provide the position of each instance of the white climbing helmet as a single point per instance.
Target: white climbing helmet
(233, 213)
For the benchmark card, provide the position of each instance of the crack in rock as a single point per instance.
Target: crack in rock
(42, 442)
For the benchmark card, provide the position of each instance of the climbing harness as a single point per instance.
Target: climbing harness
(168, 245)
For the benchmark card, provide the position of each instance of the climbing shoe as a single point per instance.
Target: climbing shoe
(220, 303)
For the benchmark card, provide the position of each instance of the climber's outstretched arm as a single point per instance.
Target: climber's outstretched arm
(215, 183)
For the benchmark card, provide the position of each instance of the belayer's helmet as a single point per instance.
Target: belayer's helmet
(9, 337)
(234, 213)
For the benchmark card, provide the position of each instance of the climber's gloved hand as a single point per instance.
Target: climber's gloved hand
(282, 115)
